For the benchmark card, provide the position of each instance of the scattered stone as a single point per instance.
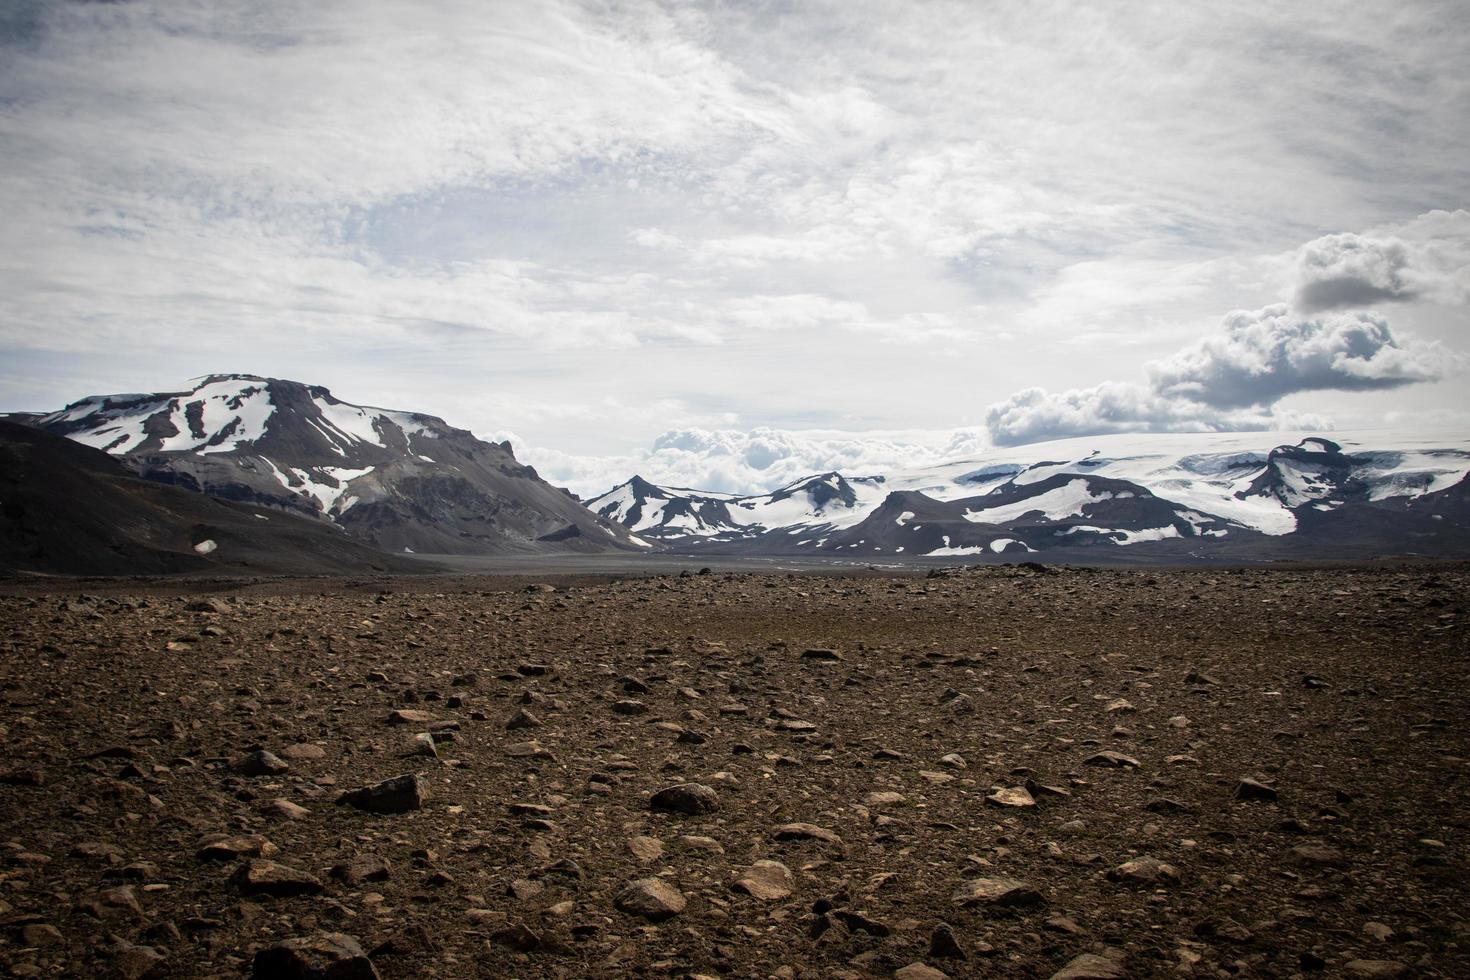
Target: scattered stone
(1251, 789)
(651, 898)
(1014, 796)
(821, 655)
(409, 716)
(235, 848)
(259, 877)
(1375, 968)
(522, 719)
(286, 810)
(261, 763)
(1318, 856)
(1091, 966)
(768, 881)
(1144, 871)
(137, 962)
(303, 752)
(687, 798)
(1111, 760)
(325, 956)
(646, 849)
(400, 794)
(943, 945)
(919, 971)
(997, 892)
(367, 867)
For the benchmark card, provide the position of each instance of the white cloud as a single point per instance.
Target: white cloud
(869, 213)
(755, 461)
(1261, 356)
(1430, 260)
(1232, 380)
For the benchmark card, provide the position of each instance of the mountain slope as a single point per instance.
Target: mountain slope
(1196, 495)
(399, 481)
(70, 509)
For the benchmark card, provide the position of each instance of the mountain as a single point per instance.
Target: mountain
(1225, 495)
(677, 516)
(70, 509)
(399, 481)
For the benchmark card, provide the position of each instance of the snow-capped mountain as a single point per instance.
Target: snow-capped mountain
(1240, 494)
(671, 514)
(401, 481)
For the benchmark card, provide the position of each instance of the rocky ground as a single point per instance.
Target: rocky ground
(998, 772)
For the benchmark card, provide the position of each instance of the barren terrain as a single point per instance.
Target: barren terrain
(990, 772)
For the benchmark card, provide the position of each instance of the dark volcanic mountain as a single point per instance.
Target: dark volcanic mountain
(70, 509)
(400, 481)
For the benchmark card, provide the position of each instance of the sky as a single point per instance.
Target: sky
(724, 244)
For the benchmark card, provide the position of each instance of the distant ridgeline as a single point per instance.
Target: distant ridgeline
(1175, 496)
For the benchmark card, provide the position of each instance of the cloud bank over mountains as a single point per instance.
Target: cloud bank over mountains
(1232, 380)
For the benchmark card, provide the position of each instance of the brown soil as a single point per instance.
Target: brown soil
(1342, 693)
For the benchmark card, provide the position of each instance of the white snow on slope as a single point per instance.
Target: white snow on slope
(1055, 504)
(1199, 472)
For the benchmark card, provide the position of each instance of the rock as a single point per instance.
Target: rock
(23, 777)
(519, 937)
(646, 848)
(1121, 706)
(1111, 760)
(1144, 871)
(650, 898)
(422, 744)
(235, 848)
(884, 798)
(261, 763)
(1251, 789)
(260, 877)
(286, 810)
(119, 899)
(629, 707)
(325, 956)
(400, 794)
(1064, 923)
(1375, 968)
(811, 832)
(529, 750)
(1091, 966)
(768, 881)
(522, 719)
(1011, 796)
(1378, 930)
(366, 867)
(1072, 827)
(687, 798)
(303, 752)
(943, 945)
(821, 655)
(1318, 856)
(997, 892)
(953, 760)
(409, 716)
(40, 934)
(919, 971)
(137, 962)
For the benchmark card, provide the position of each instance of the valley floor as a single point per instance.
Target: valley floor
(1122, 709)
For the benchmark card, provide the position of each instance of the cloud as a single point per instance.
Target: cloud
(1264, 355)
(1429, 260)
(755, 461)
(1230, 381)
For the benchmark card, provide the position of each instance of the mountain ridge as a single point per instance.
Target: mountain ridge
(400, 481)
(1197, 494)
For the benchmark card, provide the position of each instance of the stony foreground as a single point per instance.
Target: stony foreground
(998, 772)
